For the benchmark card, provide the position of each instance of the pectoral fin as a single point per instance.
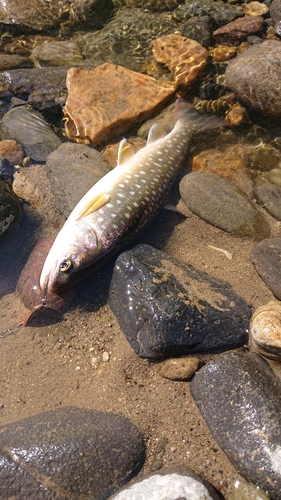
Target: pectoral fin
(93, 205)
(125, 152)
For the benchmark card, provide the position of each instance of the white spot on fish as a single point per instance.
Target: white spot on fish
(127, 215)
(121, 185)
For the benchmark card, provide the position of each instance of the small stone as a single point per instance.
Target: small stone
(72, 453)
(223, 53)
(77, 368)
(222, 204)
(58, 53)
(238, 30)
(9, 61)
(178, 368)
(185, 58)
(269, 197)
(105, 356)
(266, 258)
(265, 329)
(176, 483)
(255, 9)
(274, 176)
(241, 490)
(12, 151)
(239, 397)
(94, 112)
(166, 307)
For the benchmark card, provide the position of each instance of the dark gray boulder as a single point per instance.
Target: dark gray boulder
(239, 397)
(167, 307)
(68, 453)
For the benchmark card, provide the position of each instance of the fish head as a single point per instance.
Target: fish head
(70, 260)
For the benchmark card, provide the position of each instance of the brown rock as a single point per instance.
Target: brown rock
(239, 29)
(97, 106)
(228, 165)
(11, 150)
(184, 57)
(178, 368)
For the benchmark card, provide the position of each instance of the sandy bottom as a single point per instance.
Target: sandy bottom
(46, 366)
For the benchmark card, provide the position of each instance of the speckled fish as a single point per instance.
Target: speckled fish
(122, 203)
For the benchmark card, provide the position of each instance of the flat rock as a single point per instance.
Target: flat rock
(167, 307)
(268, 195)
(254, 77)
(95, 112)
(239, 397)
(72, 170)
(222, 204)
(176, 483)
(68, 453)
(266, 258)
(28, 127)
(238, 30)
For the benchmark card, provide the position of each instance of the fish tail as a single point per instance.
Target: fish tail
(200, 121)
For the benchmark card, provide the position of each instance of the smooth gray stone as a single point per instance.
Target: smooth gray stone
(171, 483)
(269, 197)
(167, 307)
(69, 453)
(239, 397)
(72, 170)
(266, 258)
(222, 204)
(28, 127)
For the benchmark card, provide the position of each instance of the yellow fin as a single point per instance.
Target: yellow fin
(156, 132)
(125, 152)
(98, 202)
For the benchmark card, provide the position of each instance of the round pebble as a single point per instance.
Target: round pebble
(178, 368)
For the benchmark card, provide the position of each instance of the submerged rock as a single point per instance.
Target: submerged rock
(94, 112)
(28, 127)
(70, 453)
(176, 483)
(165, 306)
(222, 204)
(254, 77)
(239, 397)
(72, 170)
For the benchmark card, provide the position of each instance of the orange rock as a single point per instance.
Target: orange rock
(237, 115)
(184, 57)
(11, 150)
(228, 165)
(108, 99)
(110, 152)
(223, 53)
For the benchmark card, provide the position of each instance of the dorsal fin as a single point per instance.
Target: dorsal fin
(93, 205)
(156, 132)
(125, 152)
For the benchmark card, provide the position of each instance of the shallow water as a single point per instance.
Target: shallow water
(56, 363)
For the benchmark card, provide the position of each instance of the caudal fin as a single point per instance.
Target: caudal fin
(201, 121)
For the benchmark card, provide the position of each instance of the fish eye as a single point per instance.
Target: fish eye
(65, 266)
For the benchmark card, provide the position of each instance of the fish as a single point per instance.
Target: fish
(123, 202)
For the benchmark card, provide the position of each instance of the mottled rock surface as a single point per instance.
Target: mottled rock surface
(176, 483)
(238, 30)
(178, 368)
(72, 170)
(69, 452)
(239, 396)
(165, 306)
(95, 112)
(266, 257)
(28, 127)
(222, 204)
(254, 77)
